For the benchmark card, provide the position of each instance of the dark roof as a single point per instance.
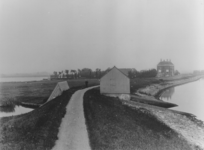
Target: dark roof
(165, 63)
(125, 70)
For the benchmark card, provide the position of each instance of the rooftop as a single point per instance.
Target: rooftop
(165, 63)
(126, 70)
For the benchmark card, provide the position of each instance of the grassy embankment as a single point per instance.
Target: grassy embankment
(112, 125)
(37, 129)
(34, 92)
(138, 83)
(37, 92)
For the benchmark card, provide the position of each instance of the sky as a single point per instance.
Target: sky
(54, 35)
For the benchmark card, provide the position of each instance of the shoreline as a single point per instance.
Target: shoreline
(174, 85)
(103, 114)
(155, 90)
(127, 120)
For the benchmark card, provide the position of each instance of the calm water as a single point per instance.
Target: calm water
(17, 110)
(189, 98)
(21, 79)
(5, 112)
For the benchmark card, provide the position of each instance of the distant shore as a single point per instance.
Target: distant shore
(177, 83)
(155, 90)
(22, 79)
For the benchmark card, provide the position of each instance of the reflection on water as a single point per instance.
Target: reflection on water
(167, 94)
(189, 98)
(12, 111)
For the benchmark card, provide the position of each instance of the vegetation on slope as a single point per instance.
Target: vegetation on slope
(37, 129)
(37, 92)
(34, 92)
(112, 125)
(138, 83)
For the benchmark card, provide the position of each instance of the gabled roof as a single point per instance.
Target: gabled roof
(123, 71)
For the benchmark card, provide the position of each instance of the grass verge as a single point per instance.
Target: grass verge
(37, 129)
(36, 92)
(138, 83)
(112, 125)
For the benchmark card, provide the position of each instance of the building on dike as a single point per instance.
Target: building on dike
(116, 83)
(165, 68)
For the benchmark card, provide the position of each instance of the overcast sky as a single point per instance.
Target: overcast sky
(54, 35)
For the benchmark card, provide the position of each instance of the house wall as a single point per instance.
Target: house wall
(162, 71)
(115, 82)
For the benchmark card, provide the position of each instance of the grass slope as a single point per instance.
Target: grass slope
(112, 125)
(35, 130)
(138, 83)
(35, 91)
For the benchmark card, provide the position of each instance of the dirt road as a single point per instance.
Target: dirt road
(73, 133)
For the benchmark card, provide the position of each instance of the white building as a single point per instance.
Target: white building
(115, 82)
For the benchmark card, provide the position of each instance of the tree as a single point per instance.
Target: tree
(130, 74)
(67, 73)
(147, 73)
(59, 74)
(86, 72)
(107, 70)
(62, 74)
(97, 72)
(73, 73)
(79, 73)
(102, 73)
(176, 72)
(55, 73)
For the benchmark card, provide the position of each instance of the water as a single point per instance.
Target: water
(189, 98)
(17, 110)
(21, 79)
